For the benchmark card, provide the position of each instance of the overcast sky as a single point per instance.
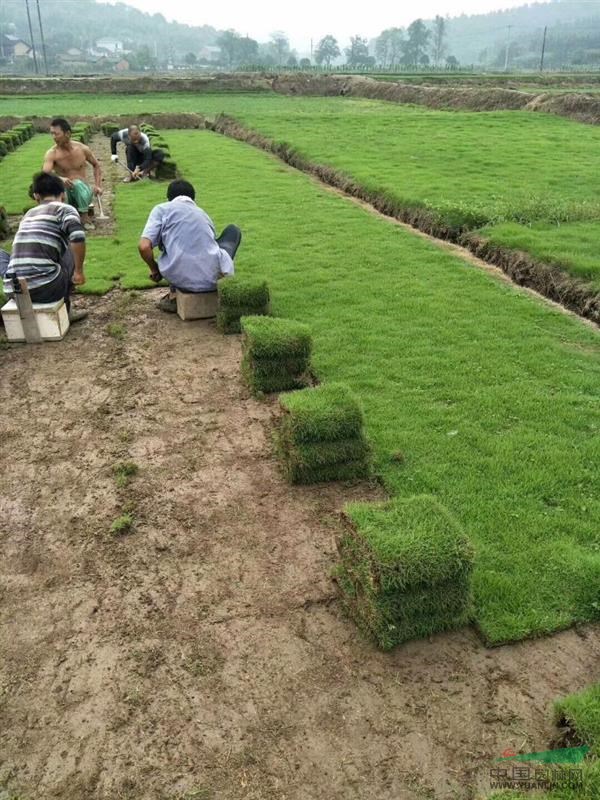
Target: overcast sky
(306, 19)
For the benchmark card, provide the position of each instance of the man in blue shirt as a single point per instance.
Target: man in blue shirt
(192, 257)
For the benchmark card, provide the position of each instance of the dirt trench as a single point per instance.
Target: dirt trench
(203, 653)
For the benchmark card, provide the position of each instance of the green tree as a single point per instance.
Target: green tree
(228, 43)
(246, 51)
(438, 45)
(415, 47)
(190, 59)
(327, 50)
(357, 55)
(304, 63)
(280, 47)
(388, 46)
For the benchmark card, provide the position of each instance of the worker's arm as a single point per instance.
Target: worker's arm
(78, 251)
(91, 159)
(114, 141)
(147, 253)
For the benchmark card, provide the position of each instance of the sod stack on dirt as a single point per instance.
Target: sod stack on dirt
(405, 569)
(241, 297)
(82, 132)
(276, 353)
(320, 437)
(108, 128)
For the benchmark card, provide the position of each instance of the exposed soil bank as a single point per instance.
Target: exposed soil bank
(165, 120)
(584, 108)
(548, 280)
(204, 653)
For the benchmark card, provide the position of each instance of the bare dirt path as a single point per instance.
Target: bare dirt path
(204, 654)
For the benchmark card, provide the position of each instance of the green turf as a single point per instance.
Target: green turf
(472, 391)
(569, 245)
(472, 168)
(17, 170)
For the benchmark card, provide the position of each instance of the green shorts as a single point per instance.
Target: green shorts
(80, 195)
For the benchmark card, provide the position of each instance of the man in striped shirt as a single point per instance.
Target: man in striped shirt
(49, 247)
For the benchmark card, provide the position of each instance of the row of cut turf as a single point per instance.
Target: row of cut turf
(468, 169)
(473, 392)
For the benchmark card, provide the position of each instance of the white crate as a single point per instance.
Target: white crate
(52, 320)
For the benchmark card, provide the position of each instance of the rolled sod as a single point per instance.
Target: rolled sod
(405, 569)
(241, 297)
(276, 353)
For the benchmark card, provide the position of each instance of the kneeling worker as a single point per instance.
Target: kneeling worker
(49, 247)
(141, 158)
(192, 257)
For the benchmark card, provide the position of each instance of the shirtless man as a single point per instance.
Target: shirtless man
(68, 160)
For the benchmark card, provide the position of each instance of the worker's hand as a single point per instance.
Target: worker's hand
(114, 158)
(98, 190)
(155, 276)
(78, 277)
(68, 183)
(136, 173)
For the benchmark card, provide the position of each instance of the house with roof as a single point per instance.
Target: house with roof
(12, 47)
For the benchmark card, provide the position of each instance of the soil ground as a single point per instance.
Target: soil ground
(204, 653)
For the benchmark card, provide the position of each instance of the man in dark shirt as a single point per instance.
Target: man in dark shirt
(49, 247)
(140, 156)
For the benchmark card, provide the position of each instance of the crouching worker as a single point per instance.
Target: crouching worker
(49, 247)
(192, 257)
(141, 158)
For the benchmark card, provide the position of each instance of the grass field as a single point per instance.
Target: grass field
(490, 396)
(526, 178)
(472, 391)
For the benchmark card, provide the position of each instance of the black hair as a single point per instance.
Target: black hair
(47, 185)
(179, 189)
(61, 123)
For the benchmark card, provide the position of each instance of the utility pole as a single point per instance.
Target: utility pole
(543, 49)
(32, 40)
(37, 2)
(507, 49)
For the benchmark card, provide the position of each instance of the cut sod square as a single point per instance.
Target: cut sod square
(276, 353)
(405, 569)
(320, 436)
(327, 413)
(241, 297)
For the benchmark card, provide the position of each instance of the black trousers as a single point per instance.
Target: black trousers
(137, 158)
(230, 240)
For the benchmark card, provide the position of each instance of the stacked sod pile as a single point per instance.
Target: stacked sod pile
(405, 569)
(81, 132)
(11, 139)
(276, 353)
(241, 297)
(321, 437)
(168, 168)
(108, 128)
